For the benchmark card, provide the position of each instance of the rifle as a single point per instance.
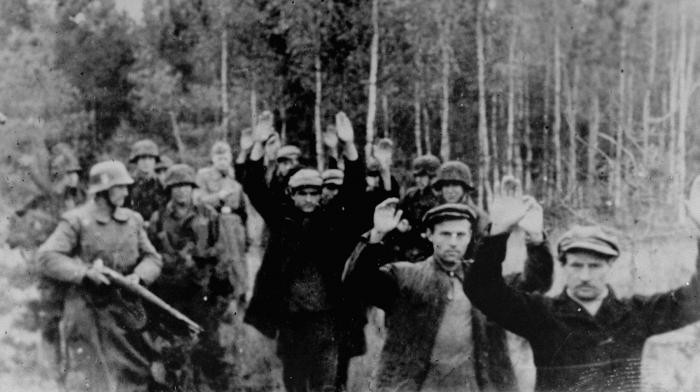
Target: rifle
(136, 289)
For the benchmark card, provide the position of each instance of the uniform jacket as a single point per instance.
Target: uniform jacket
(321, 239)
(146, 195)
(99, 322)
(414, 297)
(573, 350)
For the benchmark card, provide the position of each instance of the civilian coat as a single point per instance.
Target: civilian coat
(573, 350)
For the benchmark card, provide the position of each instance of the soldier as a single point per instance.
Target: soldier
(146, 195)
(240, 225)
(161, 167)
(31, 226)
(297, 291)
(186, 235)
(415, 203)
(436, 340)
(102, 327)
(586, 338)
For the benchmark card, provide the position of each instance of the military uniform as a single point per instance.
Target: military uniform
(239, 223)
(146, 194)
(193, 282)
(102, 326)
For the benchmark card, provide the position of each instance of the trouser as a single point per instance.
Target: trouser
(308, 349)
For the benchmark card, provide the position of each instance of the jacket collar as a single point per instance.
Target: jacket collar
(458, 272)
(611, 310)
(120, 215)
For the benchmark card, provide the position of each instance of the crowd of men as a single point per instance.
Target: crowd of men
(334, 244)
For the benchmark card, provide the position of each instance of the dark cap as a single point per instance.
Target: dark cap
(449, 211)
(588, 238)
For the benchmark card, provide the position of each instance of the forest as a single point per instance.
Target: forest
(589, 103)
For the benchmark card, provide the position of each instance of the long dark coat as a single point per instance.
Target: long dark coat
(573, 350)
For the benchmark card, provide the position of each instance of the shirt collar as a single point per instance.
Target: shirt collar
(457, 272)
(120, 214)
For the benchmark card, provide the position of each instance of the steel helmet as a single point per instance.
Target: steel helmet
(107, 174)
(180, 174)
(454, 171)
(144, 148)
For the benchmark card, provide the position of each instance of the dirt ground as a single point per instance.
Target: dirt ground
(671, 361)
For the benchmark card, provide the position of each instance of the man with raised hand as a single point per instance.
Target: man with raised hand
(436, 340)
(297, 297)
(584, 339)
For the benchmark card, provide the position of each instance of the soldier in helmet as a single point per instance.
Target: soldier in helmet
(102, 326)
(186, 235)
(454, 184)
(240, 223)
(146, 195)
(161, 167)
(31, 225)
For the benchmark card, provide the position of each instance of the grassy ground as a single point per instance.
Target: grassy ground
(671, 361)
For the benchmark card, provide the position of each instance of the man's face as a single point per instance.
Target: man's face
(286, 164)
(450, 240)
(372, 180)
(222, 162)
(586, 274)
(117, 194)
(146, 164)
(181, 194)
(329, 191)
(71, 179)
(422, 180)
(161, 175)
(306, 199)
(272, 145)
(452, 192)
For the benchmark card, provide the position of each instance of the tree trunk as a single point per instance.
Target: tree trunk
(527, 141)
(594, 128)
(373, 65)
(687, 63)
(510, 126)
(317, 113)
(416, 117)
(177, 135)
(646, 108)
(617, 191)
(385, 116)
(556, 132)
(484, 156)
(493, 138)
(571, 112)
(426, 131)
(253, 103)
(445, 80)
(224, 84)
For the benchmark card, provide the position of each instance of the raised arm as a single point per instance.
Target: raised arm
(521, 313)
(679, 307)
(364, 275)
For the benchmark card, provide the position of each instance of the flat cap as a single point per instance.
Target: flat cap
(590, 238)
(333, 176)
(449, 211)
(305, 178)
(287, 152)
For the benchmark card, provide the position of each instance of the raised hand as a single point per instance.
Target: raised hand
(344, 128)
(246, 141)
(264, 127)
(330, 137)
(533, 221)
(692, 205)
(384, 156)
(508, 206)
(386, 218)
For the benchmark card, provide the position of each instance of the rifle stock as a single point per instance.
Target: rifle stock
(136, 289)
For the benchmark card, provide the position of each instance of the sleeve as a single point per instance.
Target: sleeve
(538, 270)
(55, 255)
(255, 187)
(673, 309)
(365, 278)
(521, 313)
(151, 263)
